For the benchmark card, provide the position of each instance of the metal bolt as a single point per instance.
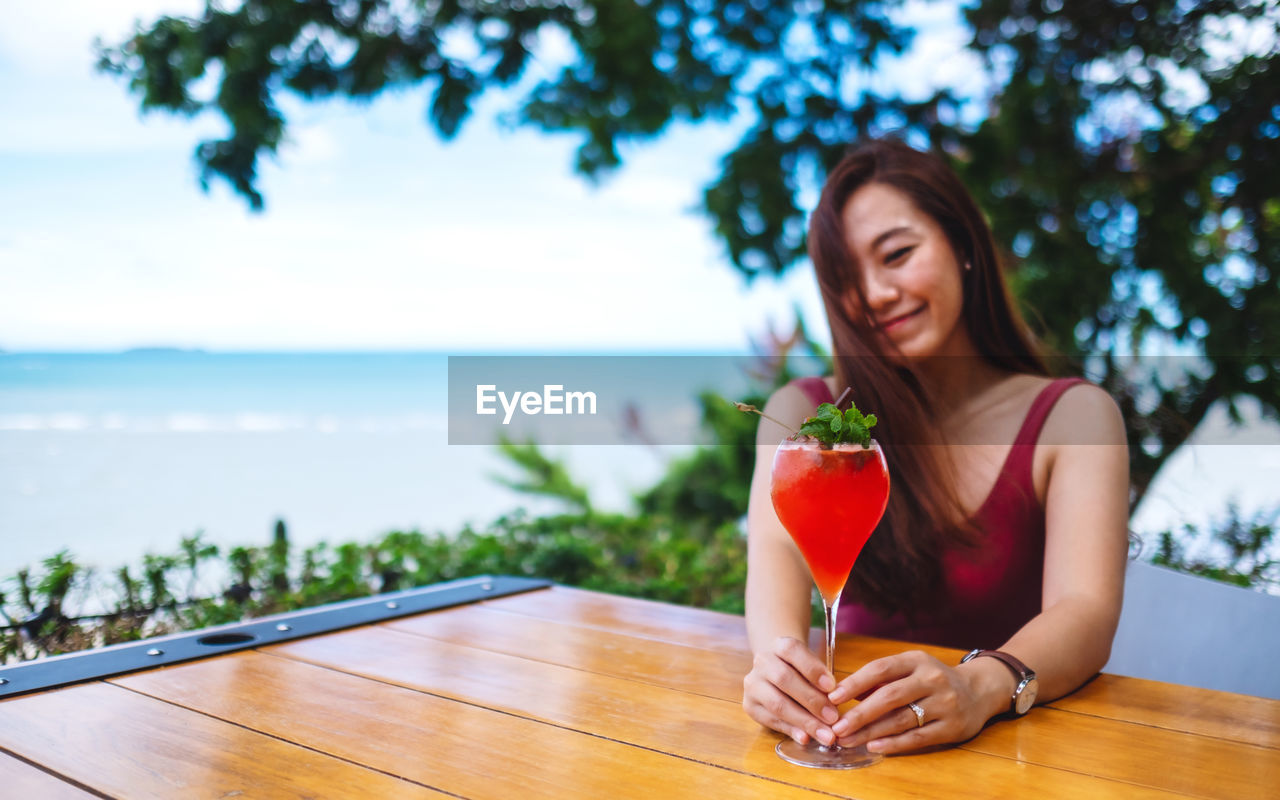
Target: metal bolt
(392, 604)
(155, 652)
(282, 627)
(488, 587)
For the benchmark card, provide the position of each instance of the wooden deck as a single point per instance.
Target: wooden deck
(561, 693)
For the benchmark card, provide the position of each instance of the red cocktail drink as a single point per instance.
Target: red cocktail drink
(829, 498)
(829, 501)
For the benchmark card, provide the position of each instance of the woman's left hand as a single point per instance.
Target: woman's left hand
(954, 704)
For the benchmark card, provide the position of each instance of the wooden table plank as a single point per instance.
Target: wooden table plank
(1240, 718)
(20, 779)
(1203, 766)
(715, 673)
(693, 627)
(633, 615)
(452, 746)
(1199, 766)
(688, 725)
(1224, 715)
(127, 745)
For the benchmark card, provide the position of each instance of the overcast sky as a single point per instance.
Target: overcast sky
(376, 235)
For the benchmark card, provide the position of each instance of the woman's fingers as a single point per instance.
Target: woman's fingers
(799, 656)
(900, 721)
(768, 705)
(883, 702)
(885, 721)
(875, 673)
(914, 739)
(786, 690)
(798, 673)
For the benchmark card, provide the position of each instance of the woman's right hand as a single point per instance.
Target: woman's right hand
(786, 690)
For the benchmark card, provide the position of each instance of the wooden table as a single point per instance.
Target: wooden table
(562, 693)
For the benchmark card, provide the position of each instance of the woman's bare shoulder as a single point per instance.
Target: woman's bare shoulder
(1085, 414)
(790, 395)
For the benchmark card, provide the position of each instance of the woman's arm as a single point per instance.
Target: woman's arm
(1086, 541)
(786, 688)
(779, 587)
(1086, 545)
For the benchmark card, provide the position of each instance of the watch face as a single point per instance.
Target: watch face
(1027, 696)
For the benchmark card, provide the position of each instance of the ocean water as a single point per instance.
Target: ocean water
(115, 455)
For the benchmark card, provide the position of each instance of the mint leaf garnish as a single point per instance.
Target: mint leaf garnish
(829, 425)
(832, 426)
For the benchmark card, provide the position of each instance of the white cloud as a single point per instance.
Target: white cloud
(309, 146)
(938, 58)
(55, 39)
(56, 102)
(469, 258)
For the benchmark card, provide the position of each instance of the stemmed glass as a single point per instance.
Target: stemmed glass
(829, 498)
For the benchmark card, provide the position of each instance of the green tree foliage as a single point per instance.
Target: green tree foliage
(1127, 153)
(542, 476)
(1234, 551)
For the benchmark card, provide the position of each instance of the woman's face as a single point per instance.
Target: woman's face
(909, 273)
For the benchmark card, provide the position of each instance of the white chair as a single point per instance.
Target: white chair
(1182, 628)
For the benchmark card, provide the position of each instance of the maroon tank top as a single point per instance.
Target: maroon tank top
(991, 591)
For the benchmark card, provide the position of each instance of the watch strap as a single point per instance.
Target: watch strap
(1020, 671)
(1023, 674)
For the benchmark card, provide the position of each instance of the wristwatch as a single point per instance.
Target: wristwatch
(1024, 697)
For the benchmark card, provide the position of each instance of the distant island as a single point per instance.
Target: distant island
(164, 351)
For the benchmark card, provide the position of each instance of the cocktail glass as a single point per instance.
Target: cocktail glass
(829, 498)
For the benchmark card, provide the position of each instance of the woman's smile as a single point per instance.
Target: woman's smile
(897, 321)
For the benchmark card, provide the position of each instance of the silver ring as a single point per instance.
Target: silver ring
(919, 712)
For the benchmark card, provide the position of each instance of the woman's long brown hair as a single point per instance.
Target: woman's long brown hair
(900, 567)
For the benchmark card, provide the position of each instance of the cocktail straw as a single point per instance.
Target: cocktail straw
(848, 390)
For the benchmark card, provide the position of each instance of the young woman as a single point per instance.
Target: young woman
(1006, 529)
